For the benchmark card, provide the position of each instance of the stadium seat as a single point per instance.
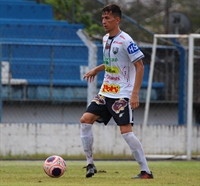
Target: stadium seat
(25, 10)
(51, 33)
(45, 52)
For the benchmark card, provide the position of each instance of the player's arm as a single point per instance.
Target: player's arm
(134, 101)
(92, 73)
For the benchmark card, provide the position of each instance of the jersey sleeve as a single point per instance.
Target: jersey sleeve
(133, 51)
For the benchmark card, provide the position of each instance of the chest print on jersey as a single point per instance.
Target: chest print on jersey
(115, 50)
(112, 78)
(119, 105)
(111, 88)
(112, 69)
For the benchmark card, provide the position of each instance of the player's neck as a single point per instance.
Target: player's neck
(115, 32)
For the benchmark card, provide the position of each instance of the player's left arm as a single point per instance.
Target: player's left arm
(134, 100)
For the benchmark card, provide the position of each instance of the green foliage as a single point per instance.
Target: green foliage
(73, 12)
(30, 173)
(150, 15)
(66, 9)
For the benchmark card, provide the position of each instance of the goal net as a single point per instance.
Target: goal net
(180, 74)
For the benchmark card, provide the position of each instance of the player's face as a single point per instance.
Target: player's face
(110, 23)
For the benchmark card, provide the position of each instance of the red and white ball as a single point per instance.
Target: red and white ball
(54, 166)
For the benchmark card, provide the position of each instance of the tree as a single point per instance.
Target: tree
(150, 14)
(74, 11)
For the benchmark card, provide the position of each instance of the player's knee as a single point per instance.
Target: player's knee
(86, 118)
(82, 120)
(126, 128)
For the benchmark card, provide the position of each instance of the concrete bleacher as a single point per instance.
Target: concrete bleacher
(34, 31)
(39, 50)
(31, 21)
(39, 73)
(44, 54)
(25, 10)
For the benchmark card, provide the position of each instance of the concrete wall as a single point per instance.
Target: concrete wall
(47, 113)
(32, 138)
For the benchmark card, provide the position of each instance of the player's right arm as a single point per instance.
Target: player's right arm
(92, 73)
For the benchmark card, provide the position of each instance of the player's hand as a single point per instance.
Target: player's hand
(89, 77)
(134, 101)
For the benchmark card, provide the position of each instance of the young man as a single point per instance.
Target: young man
(119, 91)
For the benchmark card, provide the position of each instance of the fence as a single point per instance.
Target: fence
(42, 64)
(49, 74)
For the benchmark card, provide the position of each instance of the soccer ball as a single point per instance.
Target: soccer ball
(54, 166)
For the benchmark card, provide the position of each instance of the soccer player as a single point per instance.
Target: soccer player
(118, 95)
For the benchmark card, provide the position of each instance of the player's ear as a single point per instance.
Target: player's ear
(117, 19)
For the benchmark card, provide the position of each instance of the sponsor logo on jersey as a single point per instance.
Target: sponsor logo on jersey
(113, 59)
(132, 48)
(107, 60)
(112, 70)
(119, 105)
(115, 50)
(111, 88)
(116, 78)
(117, 42)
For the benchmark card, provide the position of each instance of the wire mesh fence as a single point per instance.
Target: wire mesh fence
(41, 82)
(41, 76)
(171, 68)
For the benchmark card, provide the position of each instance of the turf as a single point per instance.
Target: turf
(110, 173)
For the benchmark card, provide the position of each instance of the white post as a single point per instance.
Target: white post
(1, 107)
(146, 111)
(190, 95)
(190, 85)
(92, 63)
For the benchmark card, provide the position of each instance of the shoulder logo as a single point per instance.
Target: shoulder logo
(132, 48)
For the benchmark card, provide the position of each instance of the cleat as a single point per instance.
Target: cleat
(90, 170)
(143, 175)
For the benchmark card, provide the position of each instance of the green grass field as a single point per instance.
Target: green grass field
(110, 173)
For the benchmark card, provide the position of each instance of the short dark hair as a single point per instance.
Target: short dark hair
(114, 8)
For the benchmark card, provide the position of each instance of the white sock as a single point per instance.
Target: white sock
(137, 150)
(87, 141)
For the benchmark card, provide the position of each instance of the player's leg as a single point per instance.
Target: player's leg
(96, 111)
(86, 122)
(123, 115)
(87, 141)
(137, 151)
